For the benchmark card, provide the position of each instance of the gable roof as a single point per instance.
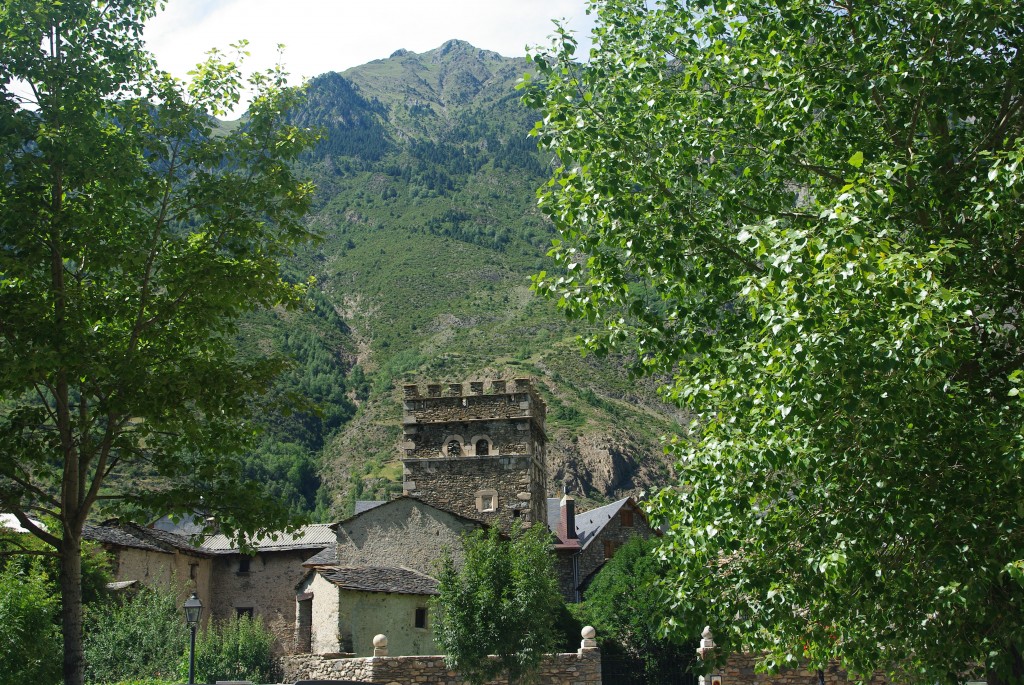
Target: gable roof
(189, 525)
(313, 536)
(367, 504)
(400, 581)
(407, 498)
(588, 523)
(325, 557)
(134, 536)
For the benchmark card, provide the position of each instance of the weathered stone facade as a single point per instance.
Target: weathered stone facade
(262, 586)
(182, 572)
(403, 530)
(581, 668)
(477, 449)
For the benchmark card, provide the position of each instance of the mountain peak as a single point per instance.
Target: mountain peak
(454, 45)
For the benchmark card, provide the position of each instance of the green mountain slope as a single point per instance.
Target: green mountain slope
(429, 232)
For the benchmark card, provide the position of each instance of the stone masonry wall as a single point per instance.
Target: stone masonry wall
(582, 668)
(268, 587)
(504, 436)
(739, 669)
(456, 484)
(404, 531)
(464, 442)
(173, 570)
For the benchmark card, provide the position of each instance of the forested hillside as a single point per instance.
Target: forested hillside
(429, 232)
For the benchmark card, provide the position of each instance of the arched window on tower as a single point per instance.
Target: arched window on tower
(482, 448)
(454, 448)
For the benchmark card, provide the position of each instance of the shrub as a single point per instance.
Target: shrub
(137, 639)
(237, 649)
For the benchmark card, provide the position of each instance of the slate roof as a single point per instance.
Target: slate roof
(400, 581)
(588, 523)
(190, 525)
(313, 536)
(325, 557)
(137, 537)
(394, 501)
(367, 504)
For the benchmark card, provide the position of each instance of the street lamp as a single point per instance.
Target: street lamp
(193, 610)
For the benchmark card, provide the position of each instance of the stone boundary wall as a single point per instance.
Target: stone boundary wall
(739, 669)
(582, 668)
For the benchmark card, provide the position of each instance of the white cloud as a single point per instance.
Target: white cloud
(333, 35)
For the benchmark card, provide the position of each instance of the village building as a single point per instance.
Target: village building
(155, 558)
(379, 577)
(263, 585)
(474, 457)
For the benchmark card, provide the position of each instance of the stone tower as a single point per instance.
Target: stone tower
(479, 453)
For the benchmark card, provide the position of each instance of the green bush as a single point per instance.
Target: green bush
(237, 649)
(139, 639)
(30, 643)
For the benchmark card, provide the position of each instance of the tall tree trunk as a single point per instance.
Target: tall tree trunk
(71, 607)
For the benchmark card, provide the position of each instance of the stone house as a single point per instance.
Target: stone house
(378, 579)
(263, 585)
(153, 557)
(588, 539)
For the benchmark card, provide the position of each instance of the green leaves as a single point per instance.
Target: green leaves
(134, 232)
(799, 219)
(503, 601)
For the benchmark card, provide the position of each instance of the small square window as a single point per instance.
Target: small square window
(421, 617)
(243, 565)
(627, 517)
(193, 571)
(487, 500)
(609, 549)
(243, 611)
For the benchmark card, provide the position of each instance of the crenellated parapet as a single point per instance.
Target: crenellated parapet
(477, 448)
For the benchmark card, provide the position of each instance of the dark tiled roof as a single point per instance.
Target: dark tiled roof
(366, 504)
(190, 525)
(137, 537)
(588, 523)
(407, 498)
(401, 581)
(325, 557)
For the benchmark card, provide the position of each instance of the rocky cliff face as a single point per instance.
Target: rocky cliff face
(605, 465)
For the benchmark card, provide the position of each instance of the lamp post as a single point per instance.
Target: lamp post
(193, 610)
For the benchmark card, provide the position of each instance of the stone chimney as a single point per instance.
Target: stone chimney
(567, 520)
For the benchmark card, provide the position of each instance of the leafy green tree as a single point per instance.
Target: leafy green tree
(808, 216)
(496, 614)
(142, 637)
(625, 604)
(132, 237)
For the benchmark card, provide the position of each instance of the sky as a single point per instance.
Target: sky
(333, 35)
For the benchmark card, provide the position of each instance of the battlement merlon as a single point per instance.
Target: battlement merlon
(474, 401)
